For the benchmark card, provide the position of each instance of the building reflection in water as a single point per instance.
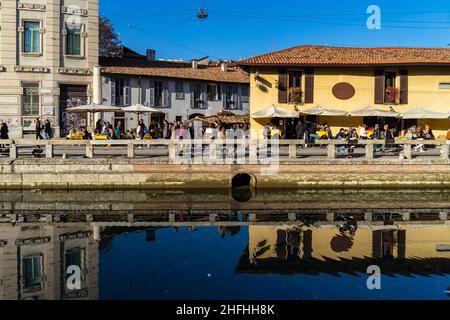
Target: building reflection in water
(34, 256)
(34, 259)
(403, 249)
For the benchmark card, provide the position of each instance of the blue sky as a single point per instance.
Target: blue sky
(242, 28)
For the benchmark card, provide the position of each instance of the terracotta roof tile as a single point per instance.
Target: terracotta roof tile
(324, 55)
(176, 70)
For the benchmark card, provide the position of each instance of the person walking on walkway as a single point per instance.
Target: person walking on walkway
(47, 130)
(38, 128)
(300, 130)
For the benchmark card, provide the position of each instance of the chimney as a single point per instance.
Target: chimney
(224, 67)
(194, 64)
(151, 55)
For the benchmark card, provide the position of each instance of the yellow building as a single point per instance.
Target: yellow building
(420, 249)
(343, 80)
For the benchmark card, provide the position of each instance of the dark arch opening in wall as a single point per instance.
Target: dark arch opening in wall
(242, 187)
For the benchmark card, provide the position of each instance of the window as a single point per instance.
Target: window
(158, 93)
(73, 43)
(74, 258)
(32, 271)
(391, 92)
(230, 97)
(120, 92)
(295, 86)
(444, 85)
(179, 90)
(30, 99)
(197, 96)
(212, 92)
(31, 37)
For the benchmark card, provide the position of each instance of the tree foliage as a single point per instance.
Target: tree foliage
(109, 41)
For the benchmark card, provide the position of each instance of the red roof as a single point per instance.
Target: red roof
(346, 56)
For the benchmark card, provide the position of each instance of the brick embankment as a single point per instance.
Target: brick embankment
(134, 173)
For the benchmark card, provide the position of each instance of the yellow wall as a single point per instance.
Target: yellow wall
(423, 91)
(420, 242)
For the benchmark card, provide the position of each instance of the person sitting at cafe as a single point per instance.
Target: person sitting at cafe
(275, 133)
(85, 135)
(327, 129)
(362, 132)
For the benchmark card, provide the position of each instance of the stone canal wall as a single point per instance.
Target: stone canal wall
(134, 173)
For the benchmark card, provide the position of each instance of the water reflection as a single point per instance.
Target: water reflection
(211, 249)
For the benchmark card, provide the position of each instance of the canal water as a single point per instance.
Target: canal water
(186, 245)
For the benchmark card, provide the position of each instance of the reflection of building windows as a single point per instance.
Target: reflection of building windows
(75, 257)
(30, 99)
(31, 37)
(32, 271)
(73, 41)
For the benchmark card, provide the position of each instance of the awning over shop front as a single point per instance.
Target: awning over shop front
(274, 112)
(373, 112)
(422, 113)
(319, 111)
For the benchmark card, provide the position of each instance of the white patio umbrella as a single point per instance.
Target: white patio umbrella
(274, 112)
(320, 111)
(422, 113)
(92, 108)
(139, 109)
(373, 112)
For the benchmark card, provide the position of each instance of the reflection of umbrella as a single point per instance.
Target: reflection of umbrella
(372, 112)
(319, 111)
(139, 109)
(274, 112)
(422, 113)
(341, 243)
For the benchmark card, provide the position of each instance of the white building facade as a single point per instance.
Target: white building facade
(180, 90)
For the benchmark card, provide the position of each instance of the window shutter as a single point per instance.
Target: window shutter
(191, 89)
(204, 95)
(151, 91)
(224, 96)
(282, 86)
(379, 86)
(309, 86)
(404, 86)
(401, 244)
(113, 92)
(166, 95)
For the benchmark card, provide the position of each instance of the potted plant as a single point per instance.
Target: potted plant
(295, 95)
(393, 94)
